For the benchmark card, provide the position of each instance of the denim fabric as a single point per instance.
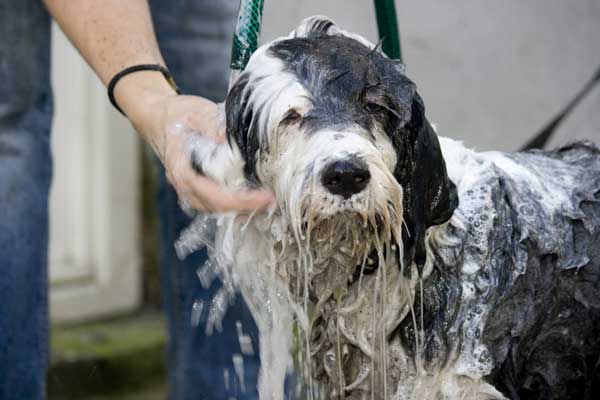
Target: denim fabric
(25, 173)
(195, 39)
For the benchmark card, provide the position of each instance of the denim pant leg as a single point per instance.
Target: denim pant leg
(25, 173)
(195, 39)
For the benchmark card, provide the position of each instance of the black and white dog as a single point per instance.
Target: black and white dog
(413, 268)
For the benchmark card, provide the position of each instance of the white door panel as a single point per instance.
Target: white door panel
(94, 251)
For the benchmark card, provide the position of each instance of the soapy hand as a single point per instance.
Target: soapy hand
(170, 123)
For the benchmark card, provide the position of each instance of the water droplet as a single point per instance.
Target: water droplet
(226, 378)
(238, 366)
(244, 340)
(197, 308)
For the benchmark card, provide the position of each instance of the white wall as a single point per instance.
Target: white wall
(94, 240)
(491, 72)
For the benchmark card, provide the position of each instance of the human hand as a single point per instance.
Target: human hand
(170, 122)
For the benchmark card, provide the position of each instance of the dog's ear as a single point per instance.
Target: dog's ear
(219, 161)
(242, 126)
(430, 197)
(233, 163)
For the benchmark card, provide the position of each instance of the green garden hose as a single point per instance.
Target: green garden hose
(387, 24)
(247, 31)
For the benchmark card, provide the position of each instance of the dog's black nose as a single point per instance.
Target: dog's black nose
(346, 177)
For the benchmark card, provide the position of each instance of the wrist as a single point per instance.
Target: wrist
(140, 95)
(136, 91)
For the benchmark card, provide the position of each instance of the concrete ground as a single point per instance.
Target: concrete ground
(116, 359)
(154, 391)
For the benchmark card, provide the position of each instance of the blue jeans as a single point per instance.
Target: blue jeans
(194, 36)
(25, 173)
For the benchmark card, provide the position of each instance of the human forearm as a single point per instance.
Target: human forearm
(115, 34)
(110, 34)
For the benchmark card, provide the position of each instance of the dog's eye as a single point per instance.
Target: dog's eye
(374, 108)
(291, 117)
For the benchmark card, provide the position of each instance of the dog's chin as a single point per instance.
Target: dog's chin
(346, 232)
(327, 240)
(343, 235)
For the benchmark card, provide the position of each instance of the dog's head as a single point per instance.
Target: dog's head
(337, 131)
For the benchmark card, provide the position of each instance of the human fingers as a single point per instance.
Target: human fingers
(207, 195)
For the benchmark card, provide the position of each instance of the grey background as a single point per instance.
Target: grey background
(491, 72)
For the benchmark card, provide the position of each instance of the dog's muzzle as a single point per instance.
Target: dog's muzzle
(346, 177)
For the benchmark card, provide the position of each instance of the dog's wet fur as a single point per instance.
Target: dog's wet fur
(351, 84)
(528, 222)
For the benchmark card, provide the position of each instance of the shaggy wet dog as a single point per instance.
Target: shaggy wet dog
(394, 267)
